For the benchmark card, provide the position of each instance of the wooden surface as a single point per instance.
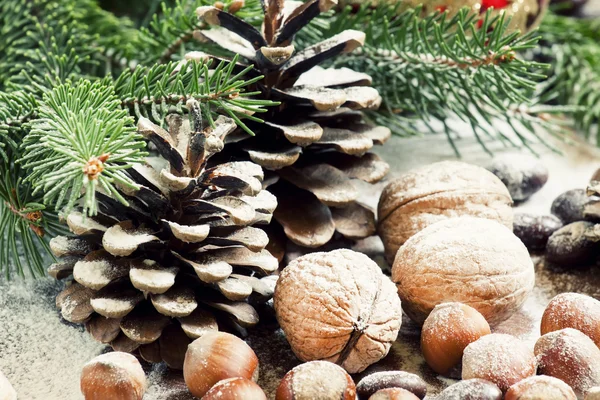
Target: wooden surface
(42, 355)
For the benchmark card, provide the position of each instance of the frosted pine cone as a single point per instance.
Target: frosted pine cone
(182, 258)
(316, 144)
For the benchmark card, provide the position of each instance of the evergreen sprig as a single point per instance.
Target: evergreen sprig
(572, 47)
(153, 91)
(433, 69)
(81, 142)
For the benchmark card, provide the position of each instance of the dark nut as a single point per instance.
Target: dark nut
(215, 356)
(534, 230)
(316, 380)
(447, 331)
(522, 174)
(393, 394)
(569, 206)
(571, 246)
(540, 387)
(471, 389)
(376, 381)
(235, 388)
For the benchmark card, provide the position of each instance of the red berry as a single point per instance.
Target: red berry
(497, 4)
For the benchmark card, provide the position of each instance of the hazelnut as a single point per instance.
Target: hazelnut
(235, 388)
(474, 261)
(393, 394)
(471, 389)
(215, 356)
(376, 381)
(570, 356)
(447, 331)
(540, 387)
(434, 193)
(316, 380)
(593, 393)
(499, 358)
(573, 310)
(115, 376)
(353, 309)
(7, 392)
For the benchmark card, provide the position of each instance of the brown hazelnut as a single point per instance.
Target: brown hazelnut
(471, 389)
(436, 192)
(499, 358)
(376, 381)
(573, 310)
(115, 376)
(316, 380)
(474, 261)
(540, 388)
(593, 393)
(570, 356)
(447, 331)
(234, 389)
(215, 356)
(353, 310)
(7, 392)
(393, 394)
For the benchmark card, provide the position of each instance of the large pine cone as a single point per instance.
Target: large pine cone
(180, 259)
(315, 144)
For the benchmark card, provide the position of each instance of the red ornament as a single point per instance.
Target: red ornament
(497, 4)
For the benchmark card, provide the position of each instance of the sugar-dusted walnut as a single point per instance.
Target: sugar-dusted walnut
(474, 261)
(436, 192)
(339, 307)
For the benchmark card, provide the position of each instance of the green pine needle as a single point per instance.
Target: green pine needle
(79, 143)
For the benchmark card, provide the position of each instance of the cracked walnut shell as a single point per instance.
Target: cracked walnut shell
(474, 261)
(435, 192)
(339, 307)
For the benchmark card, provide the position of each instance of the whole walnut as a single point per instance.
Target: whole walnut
(475, 261)
(436, 192)
(339, 307)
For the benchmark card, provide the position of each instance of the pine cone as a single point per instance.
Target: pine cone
(183, 255)
(315, 144)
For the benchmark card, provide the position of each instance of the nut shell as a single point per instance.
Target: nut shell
(471, 389)
(377, 381)
(570, 356)
(235, 389)
(573, 310)
(435, 192)
(474, 261)
(540, 387)
(393, 394)
(215, 356)
(499, 358)
(339, 307)
(115, 376)
(447, 331)
(316, 380)
(593, 393)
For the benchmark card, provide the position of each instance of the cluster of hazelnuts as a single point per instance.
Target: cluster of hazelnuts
(220, 366)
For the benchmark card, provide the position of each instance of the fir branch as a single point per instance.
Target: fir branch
(81, 142)
(572, 47)
(170, 34)
(154, 92)
(432, 69)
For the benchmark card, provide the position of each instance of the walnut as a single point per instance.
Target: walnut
(339, 307)
(475, 261)
(435, 192)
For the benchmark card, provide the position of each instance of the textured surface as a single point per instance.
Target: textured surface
(35, 344)
(475, 261)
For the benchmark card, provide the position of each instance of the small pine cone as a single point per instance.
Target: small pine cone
(316, 144)
(181, 259)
